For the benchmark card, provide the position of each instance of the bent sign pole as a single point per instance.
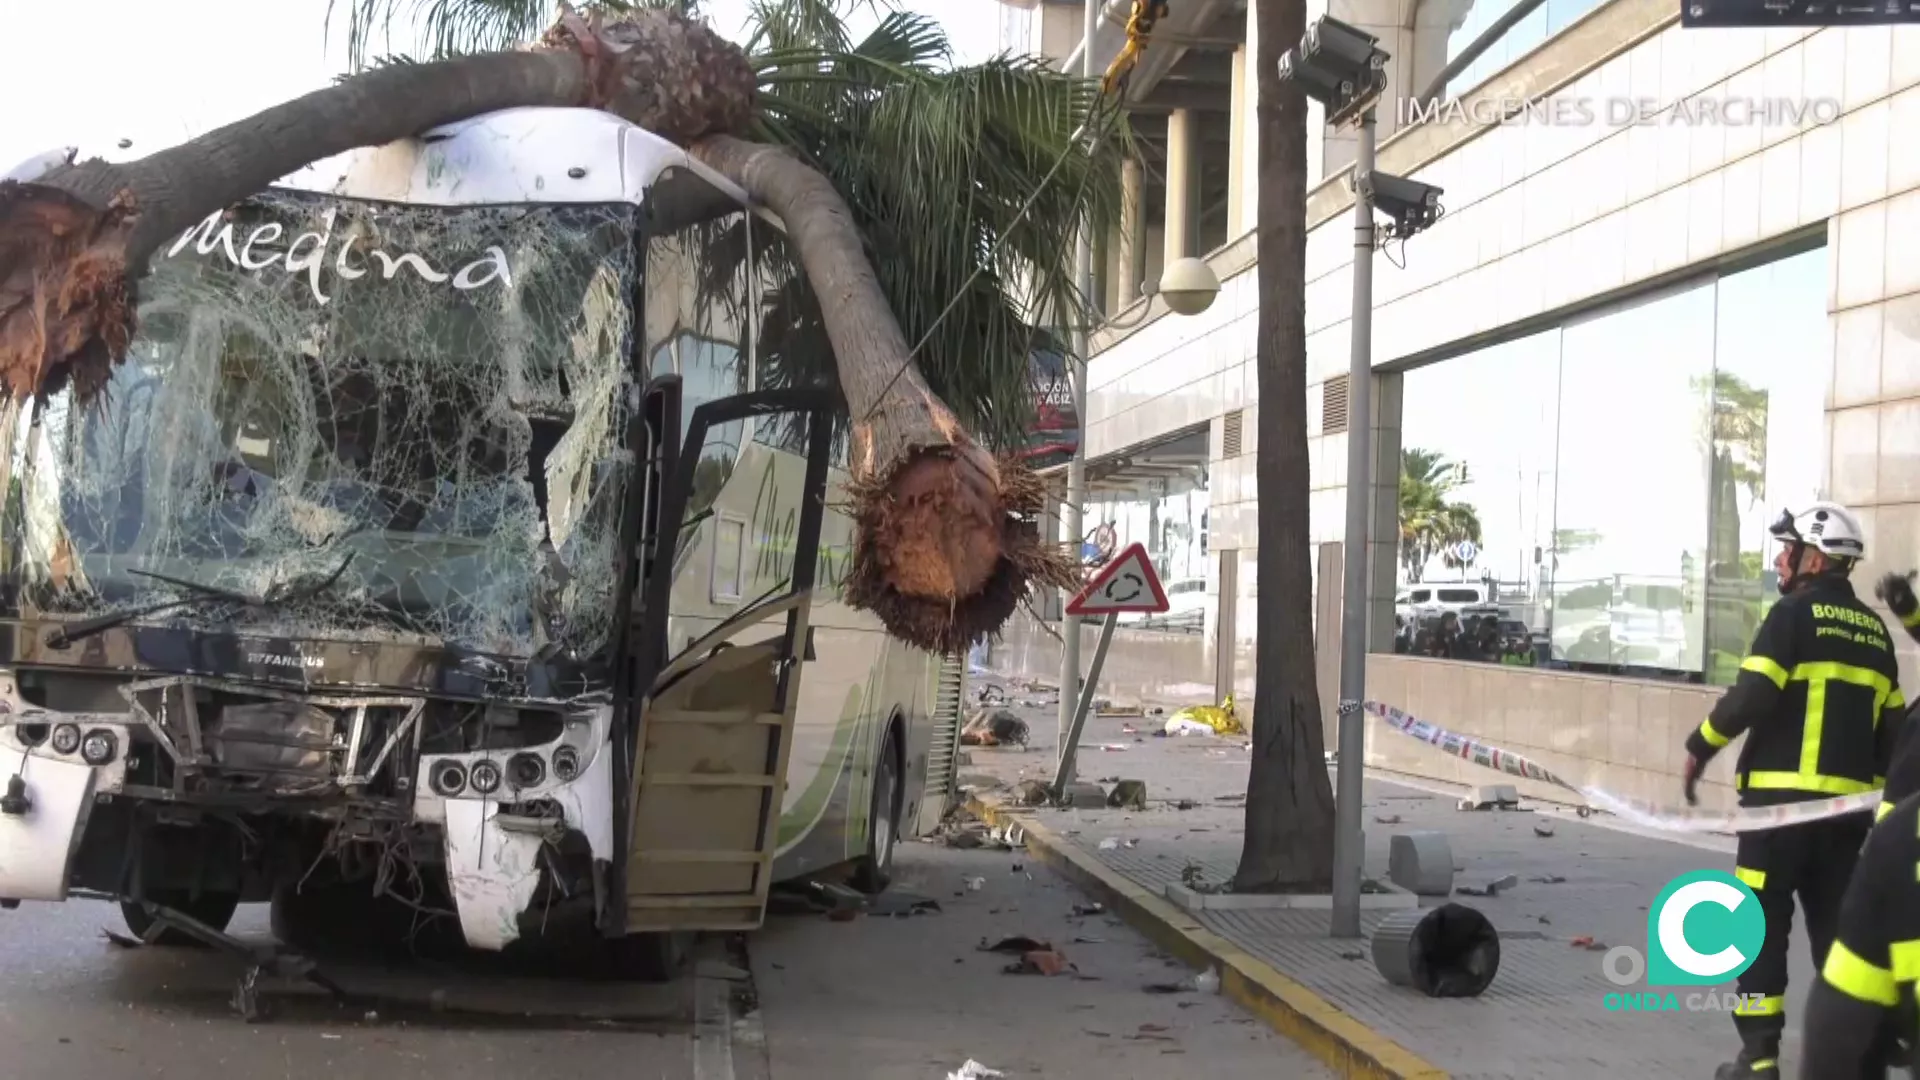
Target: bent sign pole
(1125, 585)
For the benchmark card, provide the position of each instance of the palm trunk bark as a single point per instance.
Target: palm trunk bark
(1289, 826)
(944, 548)
(73, 243)
(946, 544)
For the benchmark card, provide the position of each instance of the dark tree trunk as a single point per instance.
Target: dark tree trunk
(1289, 839)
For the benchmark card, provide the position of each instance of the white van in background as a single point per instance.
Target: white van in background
(1449, 596)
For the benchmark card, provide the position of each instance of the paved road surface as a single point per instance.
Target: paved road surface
(876, 997)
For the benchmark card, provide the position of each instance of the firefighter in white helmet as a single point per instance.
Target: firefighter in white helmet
(1809, 698)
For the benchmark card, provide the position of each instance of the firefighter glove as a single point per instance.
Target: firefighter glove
(1896, 591)
(1692, 777)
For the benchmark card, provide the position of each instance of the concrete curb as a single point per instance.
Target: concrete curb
(1348, 1047)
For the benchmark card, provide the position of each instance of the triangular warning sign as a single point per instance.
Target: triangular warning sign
(1127, 584)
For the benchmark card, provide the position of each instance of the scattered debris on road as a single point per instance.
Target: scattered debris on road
(1128, 795)
(1491, 888)
(902, 905)
(1542, 830)
(1388, 819)
(1040, 962)
(973, 1070)
(994, 727)
(1548, 879)
(1588, 943)
(1035, 957)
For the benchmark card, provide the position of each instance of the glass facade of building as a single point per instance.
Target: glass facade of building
(1596, 496)
(1520, 39)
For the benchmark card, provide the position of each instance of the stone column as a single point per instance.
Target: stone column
(1133, 222)
(1246, 125)
(1180, 181)
(1242, 121)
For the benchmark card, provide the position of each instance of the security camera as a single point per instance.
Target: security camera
(1412, 205)
(1338, 45)
(1342, 68)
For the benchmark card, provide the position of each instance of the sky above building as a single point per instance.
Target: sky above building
(155, 74)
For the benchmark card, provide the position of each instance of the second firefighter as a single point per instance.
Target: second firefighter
(1810, 698)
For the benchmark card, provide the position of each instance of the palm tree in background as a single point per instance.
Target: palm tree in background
(1431, 523)
(938, 164)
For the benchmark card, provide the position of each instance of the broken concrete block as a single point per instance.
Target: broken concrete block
(1488, 796)
(1421, 863)
(1128, 795)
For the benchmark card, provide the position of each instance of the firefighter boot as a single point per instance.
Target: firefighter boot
(1759, 1059)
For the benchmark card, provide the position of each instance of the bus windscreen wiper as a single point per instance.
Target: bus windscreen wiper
(294, 590)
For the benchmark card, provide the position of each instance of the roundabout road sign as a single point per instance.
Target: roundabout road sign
(1126, 584)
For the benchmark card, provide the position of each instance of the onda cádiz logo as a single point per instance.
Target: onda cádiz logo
(1703, 930)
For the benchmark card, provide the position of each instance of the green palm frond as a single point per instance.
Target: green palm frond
(939, 167)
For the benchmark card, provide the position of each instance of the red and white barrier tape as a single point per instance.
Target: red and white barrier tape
(1743, 819)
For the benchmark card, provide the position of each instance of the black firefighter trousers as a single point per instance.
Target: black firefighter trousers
(1814, 861)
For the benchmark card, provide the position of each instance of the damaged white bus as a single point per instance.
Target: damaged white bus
(457, 541)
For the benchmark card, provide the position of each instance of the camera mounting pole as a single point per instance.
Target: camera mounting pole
(1344, 69)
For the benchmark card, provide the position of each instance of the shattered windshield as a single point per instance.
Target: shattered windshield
(439, 394)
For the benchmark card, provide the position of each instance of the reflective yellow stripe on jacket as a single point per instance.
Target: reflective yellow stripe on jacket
(1816, 675)
(1846, 972)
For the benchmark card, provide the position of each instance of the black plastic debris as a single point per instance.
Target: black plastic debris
(1447, 951)
(902, 905)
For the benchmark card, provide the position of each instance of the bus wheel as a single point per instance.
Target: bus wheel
(874, 872)
(213, 908)
(654, 957)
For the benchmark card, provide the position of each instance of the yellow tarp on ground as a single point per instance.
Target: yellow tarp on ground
(1218, 719)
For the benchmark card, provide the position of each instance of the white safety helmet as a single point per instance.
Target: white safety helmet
(1828, 527)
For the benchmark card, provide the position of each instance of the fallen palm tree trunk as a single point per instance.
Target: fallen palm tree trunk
(946, 547)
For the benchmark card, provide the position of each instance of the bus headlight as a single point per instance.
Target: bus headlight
(448, 778)
(525, 770)
(99, 747)
(485, 777)
(66, 739)
(566, 764)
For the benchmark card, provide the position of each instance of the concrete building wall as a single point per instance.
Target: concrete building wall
(1542, 221)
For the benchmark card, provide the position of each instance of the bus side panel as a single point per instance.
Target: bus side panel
(833, 741)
